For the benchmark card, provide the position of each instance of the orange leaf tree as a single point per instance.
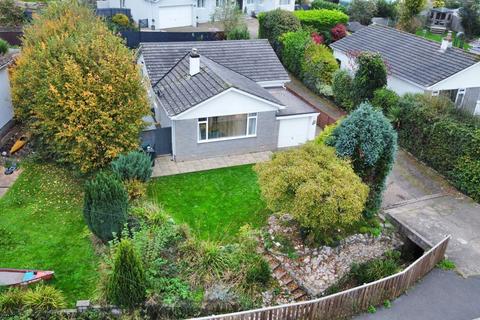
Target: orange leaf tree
(78, 89)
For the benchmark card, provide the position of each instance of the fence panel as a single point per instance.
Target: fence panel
(352, 301)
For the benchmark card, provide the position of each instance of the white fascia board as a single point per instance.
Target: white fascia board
(273, 83)
(434, 87)
(296, 116)
(181, 116)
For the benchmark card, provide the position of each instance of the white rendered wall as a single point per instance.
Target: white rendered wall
(6, 107)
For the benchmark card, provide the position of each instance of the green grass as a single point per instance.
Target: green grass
(42, 227)
(215, 203)
(438, 37)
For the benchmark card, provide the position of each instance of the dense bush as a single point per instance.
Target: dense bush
(274, 23)
(318, 66)
(324, 4)
(431, 129)
(121, 20)
(338, 32)
(385, 99)
(322, 19)
(371, 75)
(105, 205)
(239, 33)
(321, 191)
(408, 11)
(367, 138)
(470, 18)
(11, 15)
(133, 166)
(342, 86)
(127, 283)
(77, 88)
(386, 9)
(362, 11)
(376, 269)
(3, 46)
(38, 300)
(293, 46)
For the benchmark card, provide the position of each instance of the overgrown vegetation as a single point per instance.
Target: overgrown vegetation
(362, 11)
(324, 4)
(322, 19)
(369, 141)
(77, 88)
(320, 190)
(376, 269)
(275, 23)
(34, 301)
(3, 47)
(11, 15)
(446, 264)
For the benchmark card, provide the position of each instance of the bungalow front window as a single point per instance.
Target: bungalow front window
(227, 127)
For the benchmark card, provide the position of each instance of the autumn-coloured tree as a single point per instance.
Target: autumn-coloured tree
(77, 87)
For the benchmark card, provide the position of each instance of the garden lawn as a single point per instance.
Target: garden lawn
(214, 203)
(42, 227)
(438, 37)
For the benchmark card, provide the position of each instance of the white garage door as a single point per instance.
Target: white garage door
(175, 16)
(295, 131)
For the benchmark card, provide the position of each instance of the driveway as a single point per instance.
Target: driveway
(441, 295)
(422, 201)
(252, 25)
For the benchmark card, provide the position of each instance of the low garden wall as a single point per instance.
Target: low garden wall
(352, 301)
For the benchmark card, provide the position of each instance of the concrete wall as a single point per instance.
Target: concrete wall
(6, 107)
(186, 146)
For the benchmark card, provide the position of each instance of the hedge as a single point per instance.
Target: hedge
(324, 4)
(272, 24)
(433, 131)
(293, 50)
(321, 20)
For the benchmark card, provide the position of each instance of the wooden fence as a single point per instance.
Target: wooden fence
(347, 303)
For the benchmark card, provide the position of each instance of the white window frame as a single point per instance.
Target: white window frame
(460, 95)
(201, 3)
(476, 112)
(249, 117)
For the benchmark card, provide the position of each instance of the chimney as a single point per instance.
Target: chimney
(446, 42)
(194, 62)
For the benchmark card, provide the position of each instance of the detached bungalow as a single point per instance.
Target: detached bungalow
(418, 65)
(221, 98)
(180, 13)
(6, 108)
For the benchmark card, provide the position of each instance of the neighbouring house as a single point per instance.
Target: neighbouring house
(217, 98)
(418, 65)
(6, 107)
(163, 14)
(440, 20)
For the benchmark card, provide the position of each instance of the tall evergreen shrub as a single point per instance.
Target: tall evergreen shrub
(127, 283)
(369, 140)
(133, 166)
(105, 205)
(370, 76)
(274, 23)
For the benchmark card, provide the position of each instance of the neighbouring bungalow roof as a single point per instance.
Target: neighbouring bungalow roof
(408, 56)
(178, 91)
(254, 59)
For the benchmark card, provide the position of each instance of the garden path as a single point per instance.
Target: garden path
(165, 166)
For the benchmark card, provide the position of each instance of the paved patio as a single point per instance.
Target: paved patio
(164, 166)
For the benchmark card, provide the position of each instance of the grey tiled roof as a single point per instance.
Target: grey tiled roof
(178, 91)
(408, 56)
(254, 59)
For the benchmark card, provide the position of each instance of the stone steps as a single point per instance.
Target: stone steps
(286, 281)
